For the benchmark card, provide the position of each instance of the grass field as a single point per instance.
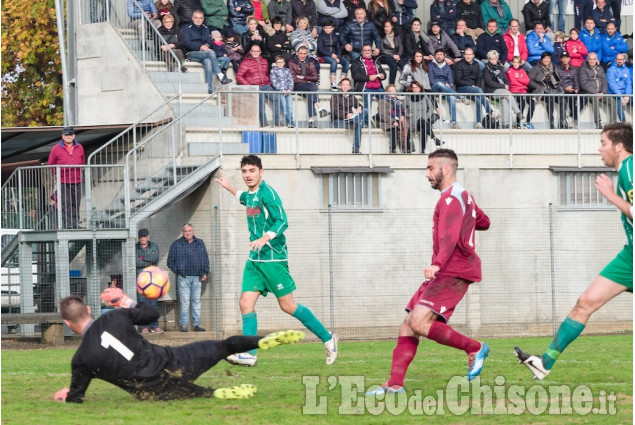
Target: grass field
(594, 366)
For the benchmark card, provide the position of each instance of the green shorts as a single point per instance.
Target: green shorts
(620, 269)
(268, 277)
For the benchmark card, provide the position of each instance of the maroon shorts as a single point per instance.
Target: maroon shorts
(441, 295)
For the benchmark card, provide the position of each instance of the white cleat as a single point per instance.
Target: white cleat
(330, 348)
(242, 359)
(533, 363)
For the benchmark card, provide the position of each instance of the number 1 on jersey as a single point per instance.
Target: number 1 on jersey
(108, 340)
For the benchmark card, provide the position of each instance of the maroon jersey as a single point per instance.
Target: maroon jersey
(456, 218)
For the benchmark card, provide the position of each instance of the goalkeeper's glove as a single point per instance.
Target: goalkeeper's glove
(61, 395)
(116, 298)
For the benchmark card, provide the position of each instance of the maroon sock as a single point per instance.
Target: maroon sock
(444, 334)
(402, 355)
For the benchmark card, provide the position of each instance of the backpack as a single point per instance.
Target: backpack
(490, 123)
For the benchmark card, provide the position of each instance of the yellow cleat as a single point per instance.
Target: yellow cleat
(279, 338)
(232, 393)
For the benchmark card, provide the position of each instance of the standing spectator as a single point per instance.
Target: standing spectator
(516, 44)
(620, 82)
(69, 152)
(470, 12)
(378, 13)
(468, 78)
(568, 76)
(348, 112)
(616, 8)
(282, 81)
(303, 36)
(351, 6)
(593, 81)
(282, 9)
(440, 40)
(254, 71)
(461, 39)
(602, 15)
(543, 78)
(495, 81)
(611, 43)
(216, 14)
(185, 9)
(419, 112)
(239, 10)
(558, 47)
(537, 44)
(590, 36)
(444, 12)
(189, 261)
(392, 118)
(170, 34)
(518, 84)
(491, 39)
(306, 9)
(415, 70)
(402, 14)
(139, 23)
(234, 49)
(197, 41)
(575, 48)
(255, 35)
(358, 33)
(561, 5)
(537, 12)
(442, 81)
(330, 50)
(147, 254)
(331, 10)
(582, 10)
(392, 51)
(416, 40)
(165, 8)
(497, 10)
(367, 74)
(278, 43)
(306, 73)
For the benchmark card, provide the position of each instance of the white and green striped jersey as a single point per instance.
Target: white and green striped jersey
(265, 214)
(625, 190)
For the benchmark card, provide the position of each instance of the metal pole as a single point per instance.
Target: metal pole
(217, 272)
(577, 105)
(552, 271)
(59, 14)
(331, 289)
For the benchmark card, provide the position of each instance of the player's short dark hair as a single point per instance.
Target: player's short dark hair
(251, 160)
(73, 308)
(620, 132)
(444, 153)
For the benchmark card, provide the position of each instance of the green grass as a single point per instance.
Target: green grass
(603, 363)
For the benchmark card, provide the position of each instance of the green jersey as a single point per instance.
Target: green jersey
(625, 190)
(265, 214)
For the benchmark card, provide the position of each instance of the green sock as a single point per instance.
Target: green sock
(250, 327)
(307, 318)
(569, 330)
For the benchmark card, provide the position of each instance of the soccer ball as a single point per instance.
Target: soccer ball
(153, 283)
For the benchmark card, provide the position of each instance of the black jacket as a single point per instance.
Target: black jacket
(413, 42)
(471, 14)
(466, 74)
(536, 15)
(494, 78)
(360, 76)
(185, 9)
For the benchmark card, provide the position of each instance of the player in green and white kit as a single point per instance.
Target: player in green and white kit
(616, 149)
(267, 269)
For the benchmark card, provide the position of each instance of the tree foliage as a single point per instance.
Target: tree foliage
(31, 66)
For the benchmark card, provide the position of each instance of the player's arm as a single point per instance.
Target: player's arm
(143, 313)
(224, 182)
(278, 222)
(605, 185)
(449, 229)
(79, 383)
(482, 220)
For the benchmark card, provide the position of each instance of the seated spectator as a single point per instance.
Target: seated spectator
(537, 12)
(278, 43)
(254, 71)
(415, 70)
(442, 81)
(140, 24)
(330, 50)
(359, 32)
(306, 9)
(216, 15)
(416, 40)
(255, 34)
(281, 9)
(575, 48)
(184, 9)
(261, 14)
(444, 12)
(282, 81)
(497, 10)
(561, 19)
(620, 81)
(568, 76)
(518, 84)
(558, 47)
(590, 36)
(537, 44)
(351, 5)
(582, 9)
(378, 12)
(516, 44)
(306, 73)
(616, 9)
(543, 78)
(440, 40)
(490, 40)
(612, 43)
(470, 12)
(235, 50)
(331, 10)
(419, 113)
(197, 41)
(348, 112)
(402, 14)
(602, 15)
(461, 39)
(239, 10)
(165, 8)
(367, 74)
(170, 34)
(392, 118)
(593, 81)
(220, 51)
(495, 81)
(468, 78)
(391, 52)
(303, 36)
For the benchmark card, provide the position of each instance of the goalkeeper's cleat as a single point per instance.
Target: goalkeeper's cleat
(385, 389)
(533, 363)
(280, 338)
(330, 348)
(242, 359)
(476, 361)
(233, 393)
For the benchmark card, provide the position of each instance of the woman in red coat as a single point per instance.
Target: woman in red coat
(576, 48)
(518, 84)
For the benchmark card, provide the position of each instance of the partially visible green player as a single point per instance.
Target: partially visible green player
(616, 149)
(267, 269)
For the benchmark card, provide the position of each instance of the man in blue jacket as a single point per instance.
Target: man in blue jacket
(359, 32)
(611, 43)
(602, 15)
(590, 36)
(442, 81)
(620, 82)
(537, 44)
(189, 261)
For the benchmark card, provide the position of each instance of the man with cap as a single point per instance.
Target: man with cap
(68, 152)
(146, 255)
(569, 84)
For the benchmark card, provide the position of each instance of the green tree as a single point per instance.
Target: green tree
(31, 67)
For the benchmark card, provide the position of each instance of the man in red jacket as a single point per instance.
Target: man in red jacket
(68, 152)
(254, 71)
(454, 267)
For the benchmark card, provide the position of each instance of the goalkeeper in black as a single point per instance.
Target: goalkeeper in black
(112, 350)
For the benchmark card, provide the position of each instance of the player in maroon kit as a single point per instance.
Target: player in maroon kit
(454, 266)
